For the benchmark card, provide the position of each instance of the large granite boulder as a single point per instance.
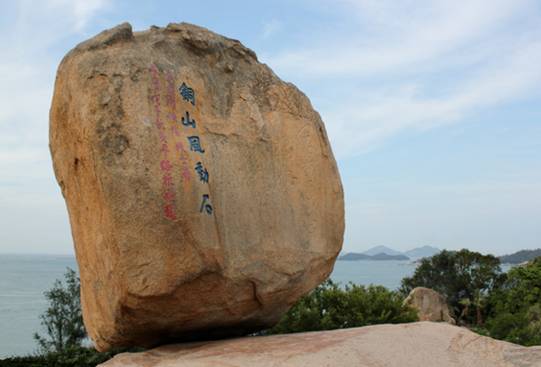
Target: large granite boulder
(203, 195)
(430, 305)
(424, 344)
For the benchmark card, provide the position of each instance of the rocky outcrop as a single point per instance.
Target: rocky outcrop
(406, 345)
(430, 305)
(203, 195)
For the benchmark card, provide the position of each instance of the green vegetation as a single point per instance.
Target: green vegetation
(514, 309)
(477, 290)
(331, 307)
(464, 277)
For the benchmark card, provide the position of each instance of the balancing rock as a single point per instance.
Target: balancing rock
(203, 195)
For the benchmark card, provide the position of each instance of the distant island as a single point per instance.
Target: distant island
(382, 253)
(520, 257)
(423, 251)
(355, 256)
(381, 250)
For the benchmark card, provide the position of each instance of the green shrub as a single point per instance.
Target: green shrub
(331, 307)
(464, 277)
(515, 307)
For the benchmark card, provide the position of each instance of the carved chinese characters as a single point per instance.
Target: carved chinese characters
(170, 131)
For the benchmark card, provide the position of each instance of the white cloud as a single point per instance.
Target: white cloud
(27, 72)
(417, 65)
(358, 125)
(84, 10)
(271, 27)
(79, 11)
(391, 35)
(31, 48)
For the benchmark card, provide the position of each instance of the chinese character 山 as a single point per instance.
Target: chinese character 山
(186, 120)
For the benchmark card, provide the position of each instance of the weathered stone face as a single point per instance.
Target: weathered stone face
(202, 192)
(424, 344)
(430, 305)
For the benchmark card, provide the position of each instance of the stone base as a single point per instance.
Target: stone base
(423, 344)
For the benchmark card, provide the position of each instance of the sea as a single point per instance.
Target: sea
(24, 278)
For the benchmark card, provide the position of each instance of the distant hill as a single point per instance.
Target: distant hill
(381, 250)
(383, 256)
(420, 252)
(387, 253)
(520, 256)
(355, 256)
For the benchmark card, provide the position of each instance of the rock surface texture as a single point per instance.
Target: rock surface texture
(424, 344)
(430, 305)
(203, 195)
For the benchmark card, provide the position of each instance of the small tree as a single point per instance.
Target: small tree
(464, 277)
(63, 319)
(515, 306)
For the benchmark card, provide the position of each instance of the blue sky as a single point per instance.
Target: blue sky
(433, 109)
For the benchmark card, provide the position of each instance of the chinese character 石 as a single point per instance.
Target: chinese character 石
(186, 120)
(187, 93)
(205, 205)
(195, 144)
(203, 173)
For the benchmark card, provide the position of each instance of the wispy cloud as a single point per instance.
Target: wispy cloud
(37, 26)
(27, 71)
(270, 28)
(417, 65)
(31, 41)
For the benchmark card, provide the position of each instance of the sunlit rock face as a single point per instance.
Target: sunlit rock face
(423, 344)
(430, 305)
(203, 195)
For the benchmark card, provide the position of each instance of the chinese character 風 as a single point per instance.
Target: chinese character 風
(195, 144)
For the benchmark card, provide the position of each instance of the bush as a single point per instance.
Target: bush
(331, 307)
(515, 307)
(464, 277)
